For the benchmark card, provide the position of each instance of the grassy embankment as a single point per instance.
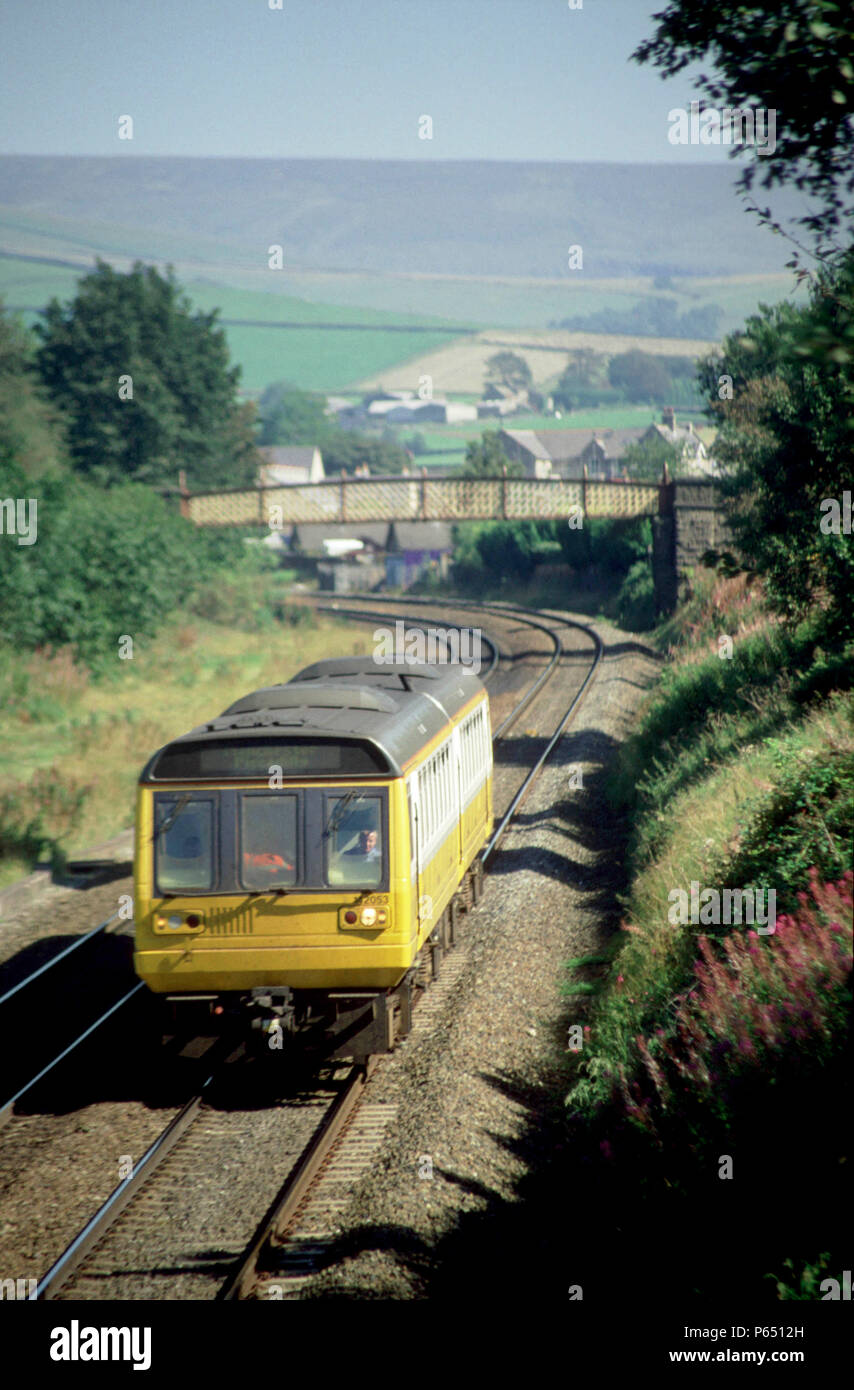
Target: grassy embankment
(75, 742)
(702, 1043)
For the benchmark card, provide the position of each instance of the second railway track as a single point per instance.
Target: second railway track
(323, 1140)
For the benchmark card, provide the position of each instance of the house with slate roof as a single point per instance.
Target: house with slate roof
(564, 453)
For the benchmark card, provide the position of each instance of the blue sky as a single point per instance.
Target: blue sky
(501, 79)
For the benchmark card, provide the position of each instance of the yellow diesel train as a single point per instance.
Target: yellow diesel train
(299, 859)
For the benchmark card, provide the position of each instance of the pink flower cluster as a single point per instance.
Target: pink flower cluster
(757, 999)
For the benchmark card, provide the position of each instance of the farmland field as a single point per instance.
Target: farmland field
(438, 309)
(460, 366)
(320, 359)
(535, 303)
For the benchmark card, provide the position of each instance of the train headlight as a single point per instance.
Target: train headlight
(179, 921)
(368, 916)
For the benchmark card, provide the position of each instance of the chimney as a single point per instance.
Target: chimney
(668, 417)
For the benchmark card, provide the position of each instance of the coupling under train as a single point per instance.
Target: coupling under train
(300, 859)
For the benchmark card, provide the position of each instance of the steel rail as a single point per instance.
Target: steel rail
(54, 960)
(317, 1150)
(287, 1202)
(535, 688)
(363, 614)
(9, 1105)
(98, 1225)
(532, 775)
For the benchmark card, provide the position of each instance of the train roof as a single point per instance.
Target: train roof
(392, 710)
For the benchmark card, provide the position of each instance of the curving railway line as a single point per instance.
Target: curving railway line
(320, 1131)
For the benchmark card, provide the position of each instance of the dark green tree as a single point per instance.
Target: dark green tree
(347, 450)
(184, 411)
(31, 436)
(485, 458)
(104, 564)
(783, 396)
(508, 369)
(640, 375)
(290, 416)
(646, 459)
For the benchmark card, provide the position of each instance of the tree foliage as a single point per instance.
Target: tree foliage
(509, 370)
(292, 416)
(104, 565)
(651, 317)
(184, 411)
(640, 376)
(31, 437)
(646, 459)
(485, 458)
(288, 415)
(787, 439)
(792, 56)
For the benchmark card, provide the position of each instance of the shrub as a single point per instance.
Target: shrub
(636, 599)
(105, 564)
(36, 815)
(751, 1001)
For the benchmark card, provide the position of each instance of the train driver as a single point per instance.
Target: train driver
(367, 847)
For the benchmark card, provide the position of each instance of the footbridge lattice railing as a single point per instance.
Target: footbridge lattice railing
(337, 501)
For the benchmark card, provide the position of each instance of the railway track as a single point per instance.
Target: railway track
(342, 1134)
(296, 1235)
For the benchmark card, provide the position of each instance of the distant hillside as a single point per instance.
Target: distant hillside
(450, 218)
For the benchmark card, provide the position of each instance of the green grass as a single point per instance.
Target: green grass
(740, 773)
(322, 359)
(74, 745)
(316, 360)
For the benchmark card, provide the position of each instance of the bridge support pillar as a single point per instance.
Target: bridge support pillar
(664, 563)
(691, 520)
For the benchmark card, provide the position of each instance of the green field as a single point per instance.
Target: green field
(333, 359)
(495, 303)
(321, 359)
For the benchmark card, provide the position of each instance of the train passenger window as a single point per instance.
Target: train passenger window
(268, 841)
(183, 844)
(354, 848)
(448, 787)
